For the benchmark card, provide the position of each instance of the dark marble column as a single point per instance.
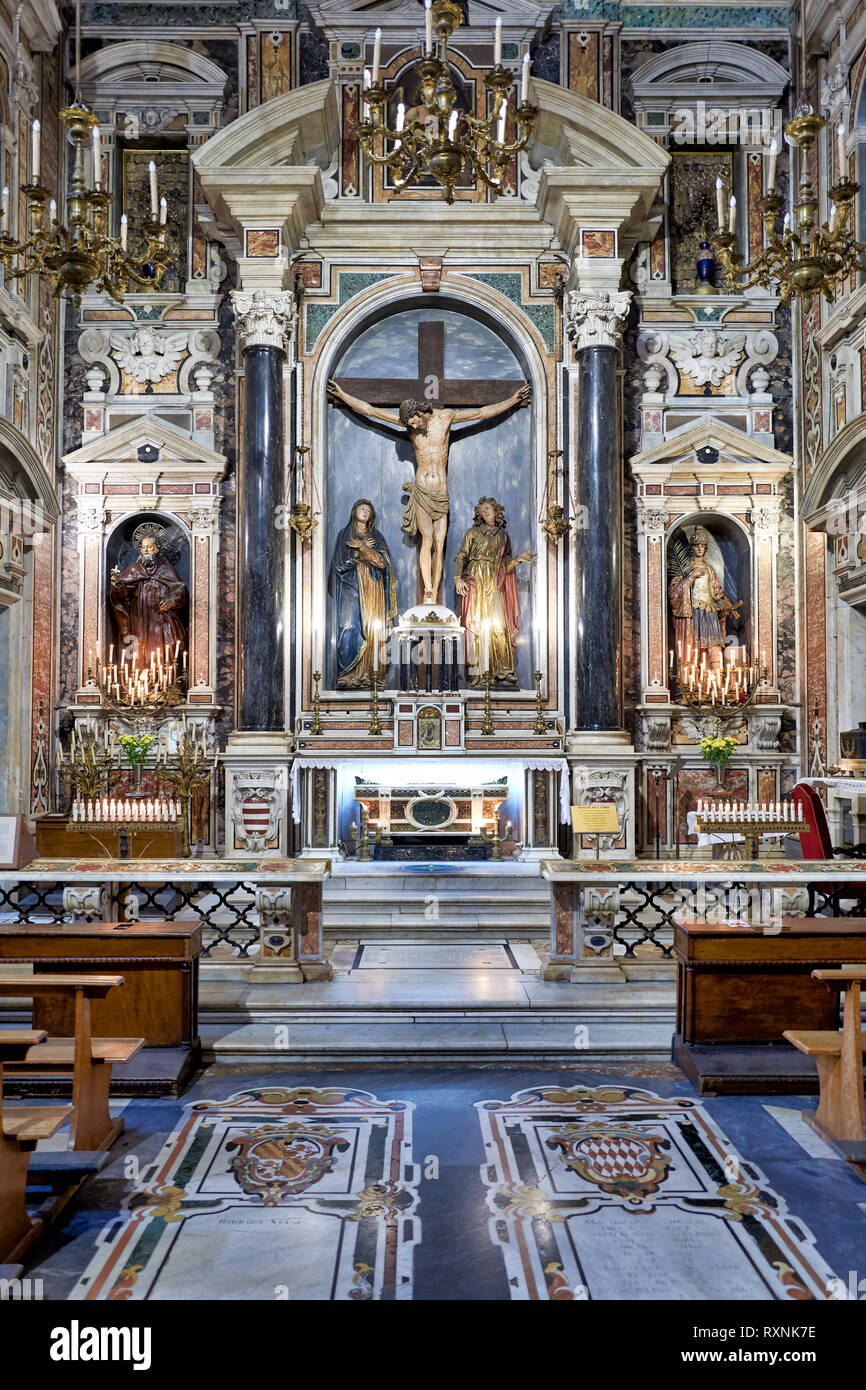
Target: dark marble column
(595, 324)
(264, 324)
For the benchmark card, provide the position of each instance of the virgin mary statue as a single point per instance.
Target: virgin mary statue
(365, 599)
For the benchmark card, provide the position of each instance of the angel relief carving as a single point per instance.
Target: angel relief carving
(146, 356)
(706, 356)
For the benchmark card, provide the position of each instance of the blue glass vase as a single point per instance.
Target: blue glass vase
(706, 267)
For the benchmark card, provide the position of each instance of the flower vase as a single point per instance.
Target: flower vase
(720, 774)
(136, 776)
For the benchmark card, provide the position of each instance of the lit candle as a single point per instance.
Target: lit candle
(401, 115)
(524, 80)
(97, 158)
(720, 203)
(497, 43)
(832, 217)
(452, 125)
(732, 214)
(377, 56)
(771, 166)
(135, 811)
(52, 213)
(841, 151)
(124, 224)
(36, 151)
(154, 196)
(428, 27)
(163, 212)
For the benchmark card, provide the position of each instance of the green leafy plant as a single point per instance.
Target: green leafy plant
(135, 747)
(718, 749)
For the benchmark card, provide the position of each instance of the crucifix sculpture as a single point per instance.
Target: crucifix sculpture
(427, 408)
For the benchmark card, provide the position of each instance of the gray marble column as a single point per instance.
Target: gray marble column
(595, 323)
(265, 322)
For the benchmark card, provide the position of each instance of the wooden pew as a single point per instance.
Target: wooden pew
(21, 1128)
(88, 1059)
(841, 1114)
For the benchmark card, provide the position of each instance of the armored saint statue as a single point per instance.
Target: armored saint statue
(364, 591)
(698, 602)
(148, 597)
(429, 429)
(489, 609)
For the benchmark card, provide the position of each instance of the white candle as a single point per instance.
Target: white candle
(732, 214)
(786, 224)
(771, 166)
(832, 223)
(799, 810)
(365, 107)
(75, 810)
(841, 152)
(524, 80)
(500, 134)
(97, 157)
(377, 56)
(36, 151)
(135, 811)
(5, 204)
(52, 213)
(720, 202)
(428, 27)
(154, 196)
(452, 125)
(497, 43)
(401, 115)
(163, 212)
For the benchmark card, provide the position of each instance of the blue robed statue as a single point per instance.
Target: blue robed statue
(364, 591)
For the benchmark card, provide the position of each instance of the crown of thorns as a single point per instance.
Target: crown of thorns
(412, 407)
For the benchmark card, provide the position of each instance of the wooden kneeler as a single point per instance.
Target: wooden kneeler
(89, 1060)
(21, 1128)
(841, 1114)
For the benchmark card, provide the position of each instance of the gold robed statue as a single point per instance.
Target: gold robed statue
(699, 604)
(489, 608)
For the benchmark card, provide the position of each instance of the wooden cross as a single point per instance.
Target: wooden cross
(431, 370)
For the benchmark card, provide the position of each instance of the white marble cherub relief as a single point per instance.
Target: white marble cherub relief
(147, 356)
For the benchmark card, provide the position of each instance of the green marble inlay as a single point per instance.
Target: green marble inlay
(510, 283)
(695, 16)
(708, 313)
(148, 311)
(350, 50)
(350, 283)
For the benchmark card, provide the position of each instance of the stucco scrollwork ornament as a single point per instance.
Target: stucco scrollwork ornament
(659, 373)
(834, 88)
(765, 521)
(706, 356)
(87, 902)
(655, 732)
(90, 519)
(204, 520)
(762, 348)
(264, 318)
(653, 521)
(148, 356)
(596, 320)
(599, 784)
(764, 731)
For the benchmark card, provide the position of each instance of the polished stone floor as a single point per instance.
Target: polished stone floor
(481, 1183)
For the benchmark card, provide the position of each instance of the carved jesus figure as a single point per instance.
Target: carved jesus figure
(429, 430)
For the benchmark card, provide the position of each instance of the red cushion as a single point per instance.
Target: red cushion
(815, 842)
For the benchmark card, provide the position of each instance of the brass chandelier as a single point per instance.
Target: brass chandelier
(446, 140)
(808, 257)
(79, 253)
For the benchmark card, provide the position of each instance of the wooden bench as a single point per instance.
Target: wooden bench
(841, 1114)
(21, 1128)
(89, 1060)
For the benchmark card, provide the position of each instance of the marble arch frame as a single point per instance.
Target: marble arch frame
(497, 313)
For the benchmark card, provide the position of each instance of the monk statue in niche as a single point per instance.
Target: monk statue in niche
(429, 429)
(147, 598)
(489, 609)
(699, 604)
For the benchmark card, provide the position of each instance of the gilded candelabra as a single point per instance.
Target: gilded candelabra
(375, 723)
(158, 686)
(487, 726)
(540, 726)
(185, 767)
(447, 140)
(79, 254)
(88, 765)
(316, 727)
(809, 256)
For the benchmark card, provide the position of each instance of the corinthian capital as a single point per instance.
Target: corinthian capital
(264, 318)
(596, 320)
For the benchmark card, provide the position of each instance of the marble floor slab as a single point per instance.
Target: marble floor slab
(478, 1184)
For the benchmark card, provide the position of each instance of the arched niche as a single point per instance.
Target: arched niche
(729, 553)
(365, 459)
